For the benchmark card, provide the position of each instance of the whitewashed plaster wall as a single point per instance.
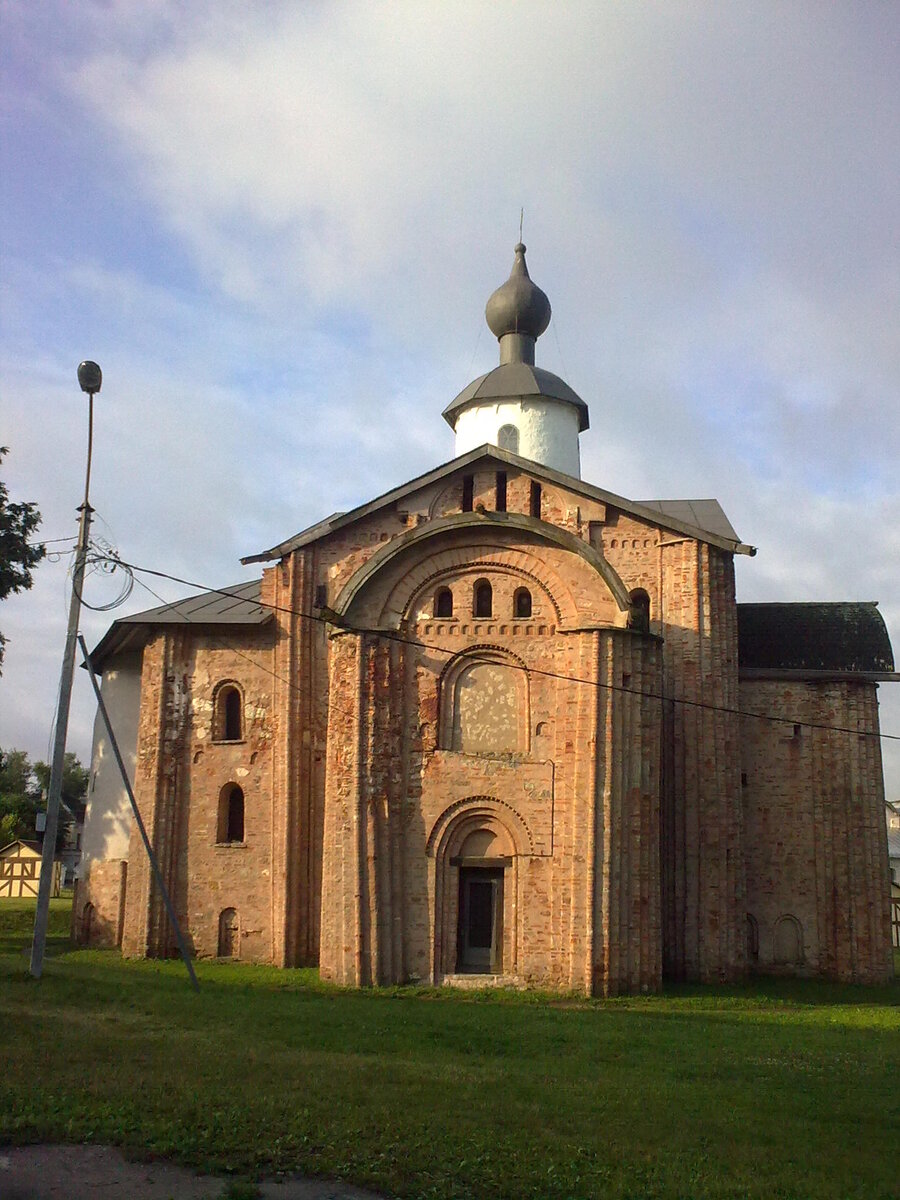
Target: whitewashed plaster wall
(107, 823)
(548, 430)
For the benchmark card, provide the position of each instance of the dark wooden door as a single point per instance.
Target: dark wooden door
(480, 946)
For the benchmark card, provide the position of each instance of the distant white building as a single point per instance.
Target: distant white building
(892, 817)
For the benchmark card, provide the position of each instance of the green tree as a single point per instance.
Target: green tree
(74, 782)
(20, 797)
(18, 557)
(21, 785)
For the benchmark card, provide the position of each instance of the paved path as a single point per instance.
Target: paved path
(103, 1173)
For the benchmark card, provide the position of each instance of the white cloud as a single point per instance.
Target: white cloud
(710, 204)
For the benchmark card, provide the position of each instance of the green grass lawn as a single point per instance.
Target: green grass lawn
(779, 1089)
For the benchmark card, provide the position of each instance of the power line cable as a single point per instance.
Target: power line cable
(393, 636)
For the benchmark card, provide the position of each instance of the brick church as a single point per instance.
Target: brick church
(499, 725)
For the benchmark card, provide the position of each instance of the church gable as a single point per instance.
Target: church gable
(505, 500)
(477, 480)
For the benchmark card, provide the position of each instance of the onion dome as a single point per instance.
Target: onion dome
(519, 407)
(518, 306)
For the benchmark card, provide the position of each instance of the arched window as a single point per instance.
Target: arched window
(484, 599)
(228, 717)
(508, 438)
(229, 933)
(639, 616)
(522, 603)
(231, 814)
(443, 602)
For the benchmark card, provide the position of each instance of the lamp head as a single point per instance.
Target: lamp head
(90, 377)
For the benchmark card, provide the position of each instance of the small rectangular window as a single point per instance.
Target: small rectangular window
(321, 595)
(468, 492)
(501, 491)
(535, 499)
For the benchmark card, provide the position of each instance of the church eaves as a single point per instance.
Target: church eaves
(235, 605)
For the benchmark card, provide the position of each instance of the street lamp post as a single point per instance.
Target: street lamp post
(90, 378)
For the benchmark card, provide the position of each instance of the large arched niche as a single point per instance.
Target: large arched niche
(473, 831)
(484, 703)
(380, 591)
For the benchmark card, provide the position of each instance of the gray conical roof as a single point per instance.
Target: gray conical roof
(516, 381)
(518, 306)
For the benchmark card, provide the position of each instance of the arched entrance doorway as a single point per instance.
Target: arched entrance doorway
(477, 844)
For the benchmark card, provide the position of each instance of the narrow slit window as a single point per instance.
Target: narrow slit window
(231, 814)
(233, 714)
(484, 599)
(468, 492)
(501, 491)
(228, 714)
(235, 816)
(522, 603)
(535, 499)
(443, 603)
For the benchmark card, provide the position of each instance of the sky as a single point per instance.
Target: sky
(276, 226)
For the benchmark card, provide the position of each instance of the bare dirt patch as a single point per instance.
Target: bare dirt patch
(103, 1173)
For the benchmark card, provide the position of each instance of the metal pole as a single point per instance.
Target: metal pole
(48, 855)
(114, 745)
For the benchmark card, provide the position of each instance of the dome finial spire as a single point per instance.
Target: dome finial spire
(518, 312)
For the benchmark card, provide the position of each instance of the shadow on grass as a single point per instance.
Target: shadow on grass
(96, 972)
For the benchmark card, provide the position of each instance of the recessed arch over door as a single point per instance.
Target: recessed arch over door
(476, 845)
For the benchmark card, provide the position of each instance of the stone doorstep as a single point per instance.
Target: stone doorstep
(481, 981)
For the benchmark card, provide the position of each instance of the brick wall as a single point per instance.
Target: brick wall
(183, 767)
(98, 906)
(815, 834)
